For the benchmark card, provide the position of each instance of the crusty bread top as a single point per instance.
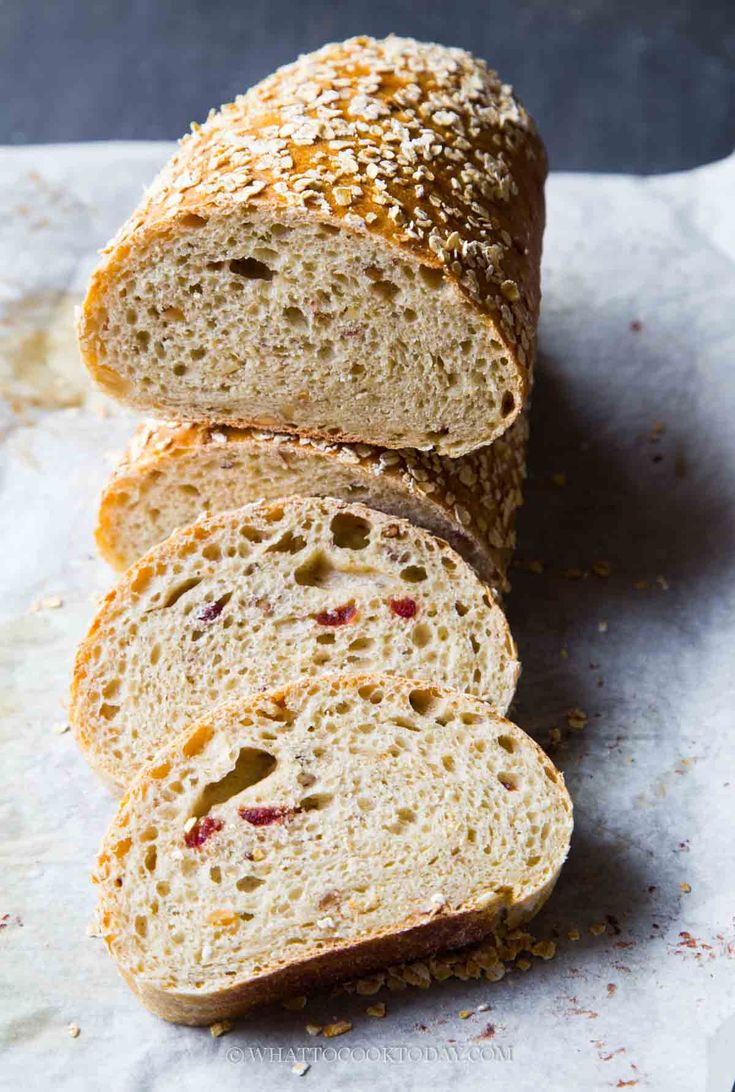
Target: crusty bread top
(479, 492)
(418, 143)
(319, 816)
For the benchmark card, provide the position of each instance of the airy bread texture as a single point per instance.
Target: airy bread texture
(351, 250)
(271, 592)
(320, 831)
(172, 474)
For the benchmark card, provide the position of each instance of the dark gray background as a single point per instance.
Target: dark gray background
(642, 86)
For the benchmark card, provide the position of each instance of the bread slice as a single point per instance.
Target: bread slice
(320, 831)
(172, 474)
(270, 592)
(351, 251)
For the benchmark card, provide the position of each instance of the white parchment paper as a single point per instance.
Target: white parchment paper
(623, 605)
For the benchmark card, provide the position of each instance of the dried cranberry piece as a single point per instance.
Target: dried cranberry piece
(340, 616)
(211, 611)
(404, 608)
(201, 831)
(263, 817)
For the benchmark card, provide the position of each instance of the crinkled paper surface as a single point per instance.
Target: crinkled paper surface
(623, 605)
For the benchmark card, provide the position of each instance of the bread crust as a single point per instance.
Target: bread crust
(478, 215)
(417, 939)
(471, 501)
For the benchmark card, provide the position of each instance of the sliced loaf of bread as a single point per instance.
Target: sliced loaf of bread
(270, 592)
(320, 831)
(351, 250)
(172, 474)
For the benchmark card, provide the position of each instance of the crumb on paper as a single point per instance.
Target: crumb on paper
(299, 1068)
(464, 1014)
(685, 887)
(378, 1010)
(367, 986)
(74, 1030)
(577, 719)
(60, 727)
(602, 568)
(611, 989)
(573, 934)
(636, 326)
(339, 1027)
(602, 626)
(46, 602)
(313, 1029)
(220, 1028)
(598, 929)
(544, 949)
(484, 1007)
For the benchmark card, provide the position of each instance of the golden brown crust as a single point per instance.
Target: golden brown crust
(442, 933)
(418, 144)
(478, 493)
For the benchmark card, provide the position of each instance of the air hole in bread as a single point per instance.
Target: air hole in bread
(178, 591)
(287, 544)
(422, 701)
(413, 574)
(316, 802)
(251, 269)
(215, 874)
(507, 405)
(432, 278)
(252, 765)
(141, 580)
(295, 317)
(109, 712)
(509, 781)
(507, 743)
(461, 609)
(421, 635)
(252, 534)
(191, 220)
(315, 571)
(249, 883)
(385, 289)
(150, 858)
(350, 532)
